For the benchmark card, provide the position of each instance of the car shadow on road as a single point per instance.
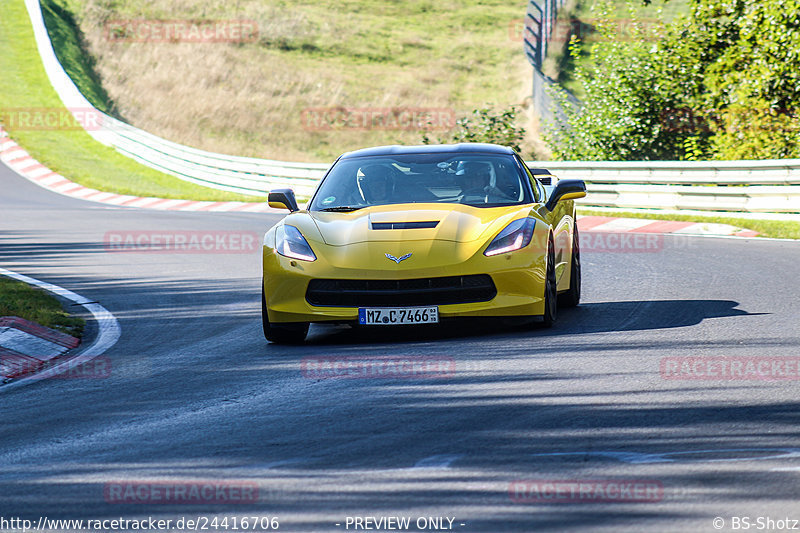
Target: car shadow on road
(593, 317)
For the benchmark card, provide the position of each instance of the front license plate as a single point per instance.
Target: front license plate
(393, 316)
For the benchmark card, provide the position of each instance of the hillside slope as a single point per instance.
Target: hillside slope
(259, 98)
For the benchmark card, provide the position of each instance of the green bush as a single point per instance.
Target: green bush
(486, 126)
(625, 113)
(722, 82)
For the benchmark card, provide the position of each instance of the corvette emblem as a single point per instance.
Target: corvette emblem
(396, 260)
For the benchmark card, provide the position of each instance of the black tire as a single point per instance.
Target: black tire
(550, 287)
(284, 333)
(572, 296)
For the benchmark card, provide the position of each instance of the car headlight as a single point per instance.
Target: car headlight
(289, 242)
(513, 237)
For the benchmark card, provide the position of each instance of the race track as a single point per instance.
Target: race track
(195, 393)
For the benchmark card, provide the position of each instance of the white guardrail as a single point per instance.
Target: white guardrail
(767, 186)
(748, 186)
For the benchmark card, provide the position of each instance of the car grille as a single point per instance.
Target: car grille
(401, 292)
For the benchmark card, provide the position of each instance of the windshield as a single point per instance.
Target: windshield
(480, 180)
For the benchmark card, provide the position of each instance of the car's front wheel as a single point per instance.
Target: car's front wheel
(572, 296)
(550, 287)
(283, 333)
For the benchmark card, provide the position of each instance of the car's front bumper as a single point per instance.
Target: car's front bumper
(518, 278)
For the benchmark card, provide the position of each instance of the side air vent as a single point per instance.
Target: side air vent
(543, 175)
(405, 225)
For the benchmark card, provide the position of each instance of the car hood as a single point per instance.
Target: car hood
(414, 222)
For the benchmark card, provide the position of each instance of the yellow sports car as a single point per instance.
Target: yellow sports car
(411, 235)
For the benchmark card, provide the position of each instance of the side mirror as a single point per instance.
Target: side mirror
(566, 190)
(283, 199)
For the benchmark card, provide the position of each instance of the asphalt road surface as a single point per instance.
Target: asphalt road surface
(195, 398)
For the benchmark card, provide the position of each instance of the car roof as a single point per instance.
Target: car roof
(431, 149)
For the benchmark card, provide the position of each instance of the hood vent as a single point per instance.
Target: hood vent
(405, 225)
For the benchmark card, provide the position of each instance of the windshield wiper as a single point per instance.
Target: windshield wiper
(342, 209)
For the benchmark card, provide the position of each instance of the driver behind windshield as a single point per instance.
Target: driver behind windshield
(476, 184)
(375, 184)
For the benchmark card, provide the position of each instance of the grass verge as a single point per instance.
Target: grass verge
(68, 45)
(73, 153)
(778, 229)
(22, 300)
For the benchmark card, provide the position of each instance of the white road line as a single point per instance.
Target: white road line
(706, 228)
(108, 335)
(621, 224)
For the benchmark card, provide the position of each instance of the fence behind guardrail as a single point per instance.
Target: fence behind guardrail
(540, 21)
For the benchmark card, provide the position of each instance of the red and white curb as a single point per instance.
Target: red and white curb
(26, 166)
(601, 224)
(26, 347)
(107, 335)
